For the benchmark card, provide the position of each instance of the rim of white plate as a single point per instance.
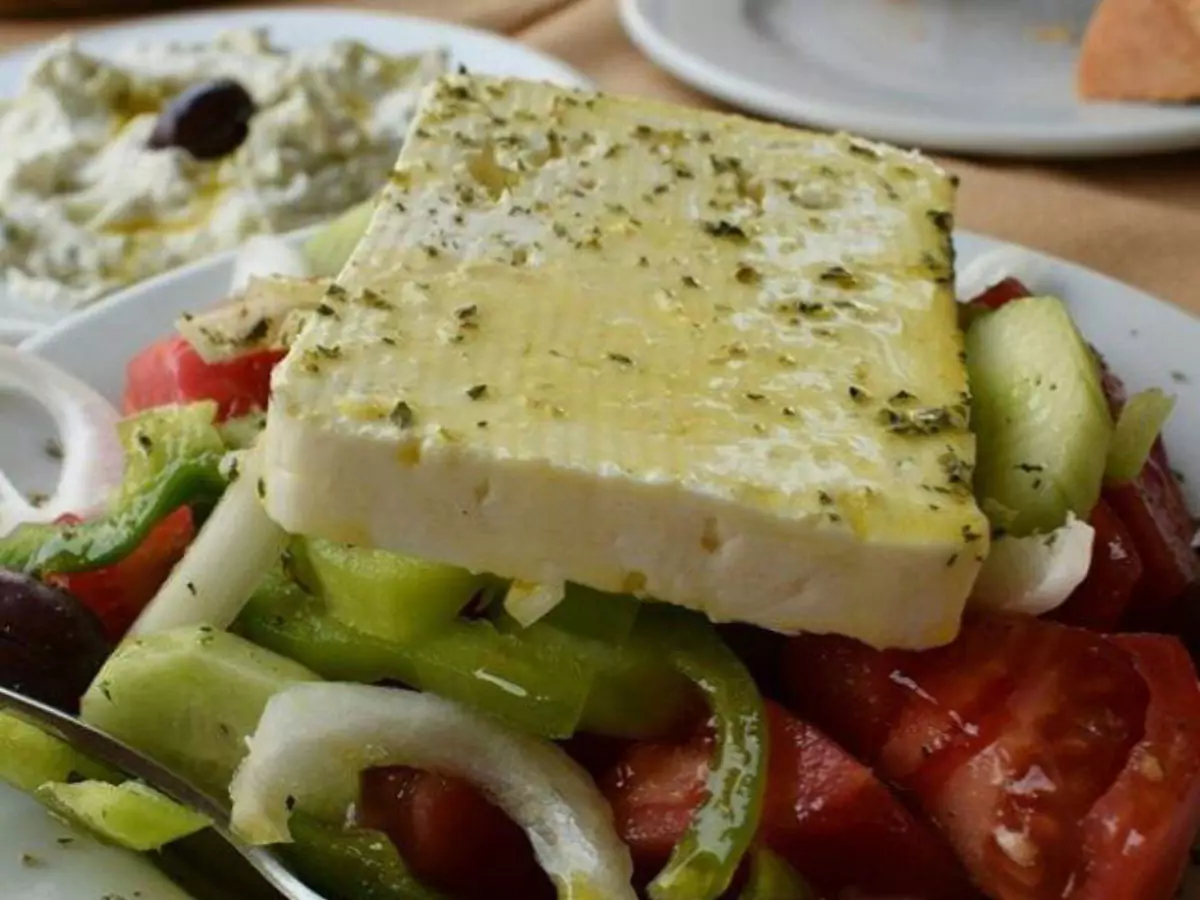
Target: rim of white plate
(1166, 129)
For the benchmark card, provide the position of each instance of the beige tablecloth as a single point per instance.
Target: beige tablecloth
(1138, 220)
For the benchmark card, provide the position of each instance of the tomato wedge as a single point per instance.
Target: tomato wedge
(654, 789)
(1156, 515)
(452, 838)
(1001, 293)
(171, 371)
(1012, 738)
(1101, 601)
(119, 593)
(834, 821)
(824, 812)
(1136, 838)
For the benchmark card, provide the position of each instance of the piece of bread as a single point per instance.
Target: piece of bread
(1142, 50)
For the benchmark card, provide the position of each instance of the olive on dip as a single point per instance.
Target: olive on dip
(208, 120)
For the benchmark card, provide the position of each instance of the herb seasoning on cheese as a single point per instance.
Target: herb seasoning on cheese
(728, 367)
(91, 198)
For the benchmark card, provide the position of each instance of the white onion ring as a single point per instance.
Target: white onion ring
(1036, 574)
(225, 563)
(313, 740)
(93, 459)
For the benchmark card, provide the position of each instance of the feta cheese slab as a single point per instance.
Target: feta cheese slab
(649, 350)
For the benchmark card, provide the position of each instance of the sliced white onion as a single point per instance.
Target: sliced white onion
(264, 255)
(313, 741)
(989, 269)
(93, 460)
(1035, 574)
(235, 549)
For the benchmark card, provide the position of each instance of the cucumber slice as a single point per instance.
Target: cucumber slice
(130, 815)
(396, 598)
(1138, 427)
(1039, 412)
(328, 249)
(29, 757)
(189, 698)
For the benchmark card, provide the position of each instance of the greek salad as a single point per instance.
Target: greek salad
(408, 730)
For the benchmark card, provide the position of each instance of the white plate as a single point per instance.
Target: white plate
(972, 76)
(480, 51)
(42, 859)
(1148, 342)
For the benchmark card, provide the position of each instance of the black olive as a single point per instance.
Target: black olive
(51, 645)
(208, 120)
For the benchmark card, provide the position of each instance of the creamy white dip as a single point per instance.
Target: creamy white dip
(86, 207)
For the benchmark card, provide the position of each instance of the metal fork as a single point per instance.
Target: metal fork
(100, 746)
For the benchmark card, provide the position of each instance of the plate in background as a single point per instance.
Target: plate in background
(967, 76)
(480, 51)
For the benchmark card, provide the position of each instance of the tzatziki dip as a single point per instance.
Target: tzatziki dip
(98, 186)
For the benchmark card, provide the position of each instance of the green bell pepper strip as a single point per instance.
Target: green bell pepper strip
(157, 438)
(101, 542)
(21, 546)
(526, 680)
(703, 863)
(532, 680)
(281, 616)
(773, 878)
(354, 864)
(635, 696)
(172, 456)
(537, 679)
(566, 672)
(396, 598)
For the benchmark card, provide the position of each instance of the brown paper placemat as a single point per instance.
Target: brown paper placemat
(1137, 219)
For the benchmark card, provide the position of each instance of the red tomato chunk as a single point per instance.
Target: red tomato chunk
(825, 813)
(1101, 602)
(1160, 528)
(1154, 512)
(119, 593)
(1001, 293)
(452, 837)
(171, 371)
(1018, 739)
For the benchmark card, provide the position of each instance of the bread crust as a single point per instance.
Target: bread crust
(1142, 50)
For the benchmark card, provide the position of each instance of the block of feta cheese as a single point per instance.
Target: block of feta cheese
(650, 350)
